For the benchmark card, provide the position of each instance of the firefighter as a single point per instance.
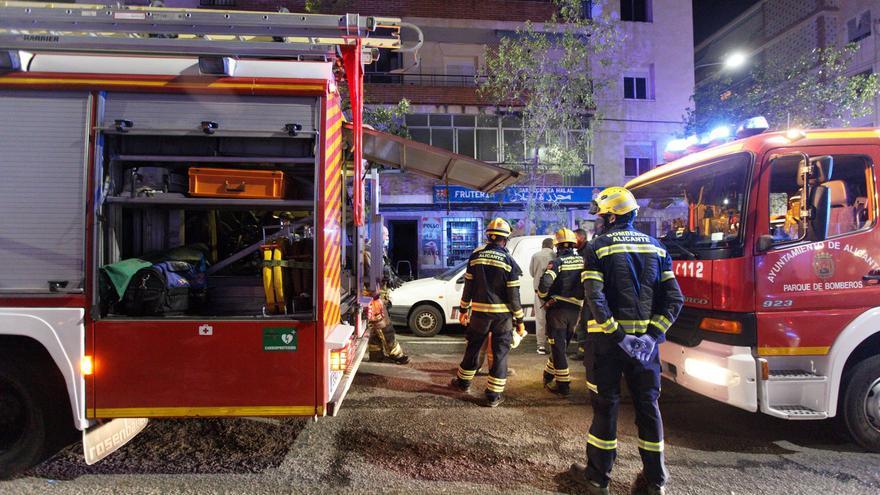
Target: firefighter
(563, 295)
(490, 305)
(633, 298)
(382, 345)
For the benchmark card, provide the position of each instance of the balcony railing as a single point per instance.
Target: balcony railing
(462, 81)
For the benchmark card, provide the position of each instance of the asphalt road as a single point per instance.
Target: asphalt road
(402, 431)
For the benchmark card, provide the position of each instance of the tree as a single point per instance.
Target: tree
(553, 73)
(390, 119)
(815, 90)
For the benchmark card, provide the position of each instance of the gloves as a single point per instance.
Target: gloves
(518, 333)
(648, 344)
(464, 318)
(630, 345)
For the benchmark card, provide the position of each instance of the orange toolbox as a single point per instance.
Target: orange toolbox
(236, 183)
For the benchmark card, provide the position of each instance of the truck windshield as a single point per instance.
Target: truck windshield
(452, 272)
(697, 213)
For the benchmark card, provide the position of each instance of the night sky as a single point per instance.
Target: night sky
(711, 15)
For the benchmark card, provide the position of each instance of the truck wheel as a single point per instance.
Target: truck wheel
(23, 421)
(861, 406)
(425, 320)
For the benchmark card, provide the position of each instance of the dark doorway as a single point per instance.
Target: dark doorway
(403, 247)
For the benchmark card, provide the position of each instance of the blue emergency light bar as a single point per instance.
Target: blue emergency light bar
(680, 147)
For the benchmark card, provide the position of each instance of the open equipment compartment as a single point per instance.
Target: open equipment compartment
(152, 156)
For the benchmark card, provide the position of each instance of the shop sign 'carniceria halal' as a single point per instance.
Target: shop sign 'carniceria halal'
(517, 194)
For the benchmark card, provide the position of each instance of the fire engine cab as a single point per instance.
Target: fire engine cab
(776, 247)
(176, 236)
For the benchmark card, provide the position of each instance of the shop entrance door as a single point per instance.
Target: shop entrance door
(403, 247)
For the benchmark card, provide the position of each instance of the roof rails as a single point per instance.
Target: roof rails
(40, 27)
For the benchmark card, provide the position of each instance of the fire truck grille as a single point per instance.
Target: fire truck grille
(685, 331)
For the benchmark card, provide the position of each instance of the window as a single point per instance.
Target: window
(487, 145)
(379, 71)
(586, 9)
(514, 146)
(698, 210)
(460, 66)
(840, 181)
(635, 88)
(442, 138)
(217, 3)
(636, 166)
(583, 178)
(466, 142)
(638, 158)
(859, 28)
(635, 10)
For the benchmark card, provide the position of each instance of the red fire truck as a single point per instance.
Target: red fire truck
(777, 250)
(175, 239)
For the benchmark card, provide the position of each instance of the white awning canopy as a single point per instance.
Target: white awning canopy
(430, 161)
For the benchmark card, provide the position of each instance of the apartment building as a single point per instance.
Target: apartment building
(778, 30)
(433, 227)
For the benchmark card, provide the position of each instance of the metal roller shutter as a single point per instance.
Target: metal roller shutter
(42, 166)
(257, 116)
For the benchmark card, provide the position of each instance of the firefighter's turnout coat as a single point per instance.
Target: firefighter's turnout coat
(561, 281)
(629, 285)
(491, 284)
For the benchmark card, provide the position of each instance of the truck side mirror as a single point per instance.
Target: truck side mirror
(765, 242)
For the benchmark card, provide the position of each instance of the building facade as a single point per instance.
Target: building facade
(431, 226)
(774, 30)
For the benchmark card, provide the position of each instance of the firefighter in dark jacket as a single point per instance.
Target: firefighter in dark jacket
(632, 298)
(490, 305)
(563, 295)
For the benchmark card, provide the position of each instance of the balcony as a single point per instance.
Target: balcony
(496, 10)
(426, 89)
(438, 80)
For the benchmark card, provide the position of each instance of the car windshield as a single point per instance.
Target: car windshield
(452, 272)
(698, 209)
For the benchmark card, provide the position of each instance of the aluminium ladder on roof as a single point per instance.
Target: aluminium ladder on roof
(40, 27)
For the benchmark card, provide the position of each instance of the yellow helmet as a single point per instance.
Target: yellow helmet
(498, 227)
(614, 201)
(563, 236)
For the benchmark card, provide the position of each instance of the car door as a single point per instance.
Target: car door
(808, 290)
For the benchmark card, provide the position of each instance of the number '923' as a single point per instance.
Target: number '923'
(786, 303)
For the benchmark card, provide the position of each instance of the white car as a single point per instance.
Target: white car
(425, 305)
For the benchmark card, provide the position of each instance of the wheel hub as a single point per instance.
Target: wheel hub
(13, 416)
(872, 404)
(426, 321)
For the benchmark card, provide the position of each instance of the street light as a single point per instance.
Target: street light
(732, 61)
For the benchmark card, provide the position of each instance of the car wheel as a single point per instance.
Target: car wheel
(425, 320)
(861, 405)
(23, 422)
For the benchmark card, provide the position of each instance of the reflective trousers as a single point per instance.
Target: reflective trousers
(605, 363)
(383, 342)
(479, 328)
(562, 318)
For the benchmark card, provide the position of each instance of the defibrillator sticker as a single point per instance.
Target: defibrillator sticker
(279, 339)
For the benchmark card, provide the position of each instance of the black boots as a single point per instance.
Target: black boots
(578, 471)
